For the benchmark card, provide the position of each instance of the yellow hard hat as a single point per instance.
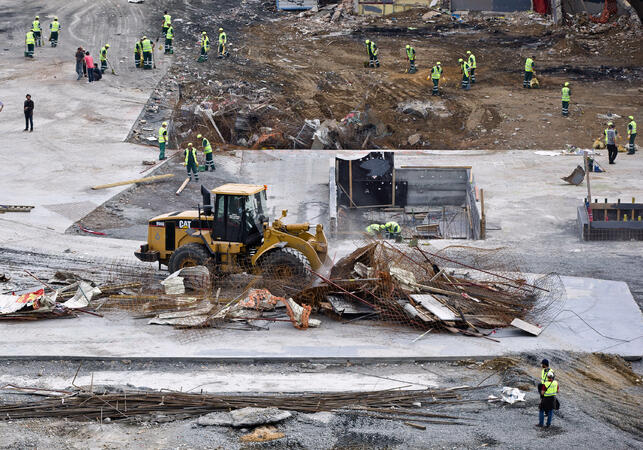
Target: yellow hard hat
(37, 17)
(203, 32)
(610, 124)
(468, 52)
(566, 83)
(106, 45)
(460, 59)
(144, 37)
(199, 136)
(220, 29)
(630, 117)
(367, 41)
(164, 124)
(408, 46)
(55, 18)
(438, 63)
(190, 144)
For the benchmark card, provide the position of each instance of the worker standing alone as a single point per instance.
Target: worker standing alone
(205, 47)
(146, 44)
(631, 133)
(207, 151)
(169, 39)
(436, 73)
(223, 43)
(372, 51)
(529, 72)
(55, 28)
(472, 66)
(566, 94)
(37, 31)
(103, 58)
(410, 55)
(163, 138)
(610, 142)
(30, 42)
(548, 401)
(191, 162)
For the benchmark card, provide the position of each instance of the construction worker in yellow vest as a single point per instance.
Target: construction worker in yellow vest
(372, 51)
(205, 47)
(631, 133)
(410, 55)
(103, 58)
(55, 28)
(30, 42)
(167, 23)
(566, 95)
(163, 138)
(436, 73)
(529, 72)
(393, 230)
(548, 401)
(138, 53)
(37, 31)
(169, 39)
(207, 151)
(464, 66)
(191, 162)
(374, 229)
(223, 44)
(147, 47)
(471, 59)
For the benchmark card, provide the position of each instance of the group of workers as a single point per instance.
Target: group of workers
(548, 390)
(33, 38)
(190, 154)
(611, 135)
(389, 230)
(222, 48)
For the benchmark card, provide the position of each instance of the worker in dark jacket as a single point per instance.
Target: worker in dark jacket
(548, 400)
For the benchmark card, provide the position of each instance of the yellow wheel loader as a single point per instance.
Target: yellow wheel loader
(232, 235)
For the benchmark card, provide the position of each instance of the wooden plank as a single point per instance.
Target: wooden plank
(435, 307)
(139, 180)
(526, 326)
(185, 183)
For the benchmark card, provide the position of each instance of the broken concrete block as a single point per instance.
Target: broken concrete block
(244, 417)
(174, 284)
(321, 418)
(196, 278)
(414, 139)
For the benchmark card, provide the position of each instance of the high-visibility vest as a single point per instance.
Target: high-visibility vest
(103, 54)
(631, 128)
(167, 19)
(223, 38)
(465, 69)
(170, 33)
(472, 61)
(410, 53)
(207, 148)
(529, 65)
(373, 48)
(392, 227)
(55, 25)
(436, 72)
(543, 375)
(137, 47)
(566, 94)
(190, 155)
(30, 39)
(551, 389)
(205, 43)
(615, 134)
(162, 135)
(373, 228)
(147, 45)
(36, 25)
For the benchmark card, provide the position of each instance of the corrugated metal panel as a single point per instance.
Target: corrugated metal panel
(296, 5)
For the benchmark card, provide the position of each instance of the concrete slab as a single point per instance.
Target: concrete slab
(599, 316)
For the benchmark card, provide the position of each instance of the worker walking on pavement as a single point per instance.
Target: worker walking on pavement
(207, 151)
(410, 55)
(37, 31)
(610, 141)
(30, 42)
(529, 72)
(205, 47)
(163, 138)
(167, 23)
(191, 162)
(146, 45)
(103, 58)
(436, 73)
(55, 28)
(566, 95)
(169, 39)
(138, 53)
(372, 51)
(464, 66)
(631, 133)
(471, 59)
(223, 43)
(548, 401)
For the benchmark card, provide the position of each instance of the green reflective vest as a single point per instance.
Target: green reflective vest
(207, 148)
(615, 134)
(371, 48)
(147, 45)
(543, 375)
(631, 128)
(392, 227)
(103, 54)
(190, 156)
(162, 135)
(137, 47)
(436, 72)
(167, 19)
(465, 69)
(170, 33)
(205, 43)
(566, 92)
(55, 26)
(373, 228)
(223, 38)
(472, 61)
(551, 389)
(529, 65)
(30, 39)
(410, 53)
(36, 25)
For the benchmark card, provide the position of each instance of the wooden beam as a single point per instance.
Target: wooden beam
(185, 183)
(139, 180)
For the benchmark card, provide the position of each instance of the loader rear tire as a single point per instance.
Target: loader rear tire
(188, 255)
(285, 264)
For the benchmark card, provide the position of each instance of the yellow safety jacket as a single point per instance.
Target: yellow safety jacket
(223, 38)
(373, 228)
(103, 54)
(615, 134)
(566, 93)
(529, 65)
(465, 69)
(472, 61)
(410, 53)
(167, 20)
(543, 375)
(137, 47)
(170, 33)
(30, 38)
(371, 48)
(392, 227)
(551, 389)
(54, 26)
(147, 45)
(205, 43)
(190, 155)
(36, 25)
(436, 72)
(207, 148)
(162, 135)
(631, 128)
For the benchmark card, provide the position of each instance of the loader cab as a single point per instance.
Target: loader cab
(239, 212)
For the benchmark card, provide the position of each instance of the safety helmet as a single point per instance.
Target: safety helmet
(190, 144)
(367, 41)
(106, 45)
(220, 29)
(468, 52)
(566, 83)
(55, 18)
(203, 32)
(438, 63)
(164, 124)
(630, 117)
(37, 17)
(460, 59)
(609, 124)
(199, 136)
(550, 375)
(144, 37)
(408, 46)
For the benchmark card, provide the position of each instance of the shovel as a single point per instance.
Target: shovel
(111, 67)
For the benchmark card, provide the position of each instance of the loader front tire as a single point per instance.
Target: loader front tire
(285, 264)
(188, 255)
